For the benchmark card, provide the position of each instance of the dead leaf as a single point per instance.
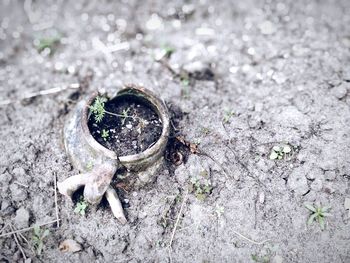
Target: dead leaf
(192, 146)
(70, 245)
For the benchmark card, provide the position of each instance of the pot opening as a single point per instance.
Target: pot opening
(129, 124)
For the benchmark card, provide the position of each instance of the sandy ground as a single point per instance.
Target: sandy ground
(281, 68)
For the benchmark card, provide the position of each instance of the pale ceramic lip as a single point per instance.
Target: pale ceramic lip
(157, 104)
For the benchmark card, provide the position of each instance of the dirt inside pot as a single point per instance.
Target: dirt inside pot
(136, 128)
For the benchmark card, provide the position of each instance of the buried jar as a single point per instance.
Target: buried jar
(103, 137)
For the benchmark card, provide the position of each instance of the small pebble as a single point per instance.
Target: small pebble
(22, 218)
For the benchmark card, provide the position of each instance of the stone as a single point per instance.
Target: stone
(18, 172)
(18, 193)
(261, 197)
(277, 259)
(316, 185)
(297, 182)
(339, 92)
(22, 218)
(330, 175)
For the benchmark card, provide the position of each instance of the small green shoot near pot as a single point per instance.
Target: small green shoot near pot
(318, 214)
(81, 207)
(105, 134)
(227, 116)
(279, 152)
(90, 165)
(98, 108)
(200, 189)
(38, 239)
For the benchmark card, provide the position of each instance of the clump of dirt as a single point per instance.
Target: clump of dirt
(129, 126)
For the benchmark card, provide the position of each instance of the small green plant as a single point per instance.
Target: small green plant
(260, 259)
(168, 51)
(81, 207)
(105, 134)
(50, 43)
(185, 83)
(318, 214)
(38, 239)
(98, 108)
(227, 116)
(201, 189)
(90, 165)
(125, 115)
(279, 152)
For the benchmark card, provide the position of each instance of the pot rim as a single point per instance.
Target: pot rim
(159, 107)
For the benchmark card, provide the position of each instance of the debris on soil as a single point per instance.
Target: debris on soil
(136, 128)
(199, 70)
(70, 245)
(347, 204)
(191, 146)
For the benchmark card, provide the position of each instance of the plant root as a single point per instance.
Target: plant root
(116, 205)
(96, 183)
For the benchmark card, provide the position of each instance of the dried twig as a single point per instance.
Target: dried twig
(2, 229)
(29, 228)
(178, 218)
(18, 244)
(41, 93)
(248, 239)
(56, 205)
(26, 240)
(24, 185)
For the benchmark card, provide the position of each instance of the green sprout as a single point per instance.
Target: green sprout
(38, 239)
(105, 134)
(168, 51)
(227, 116)
(262, 259)
(200, 189)
(98, 108)
(278, 152)
(318, 214)
(48, 43)
(185, 83)
(90, 165)
(81, 207)
(125, 115)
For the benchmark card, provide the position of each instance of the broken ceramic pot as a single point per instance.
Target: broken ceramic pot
(98, 164)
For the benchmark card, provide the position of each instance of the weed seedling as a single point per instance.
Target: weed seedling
(279, 152)
(125, 115)
(38, 239)
(185, 90)
(227, 116)
(200, 189)
(318, 214)
(90, 165)
(105, 134)
(98, 108)
(168, 51)
(81, 207)
(47, 43)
